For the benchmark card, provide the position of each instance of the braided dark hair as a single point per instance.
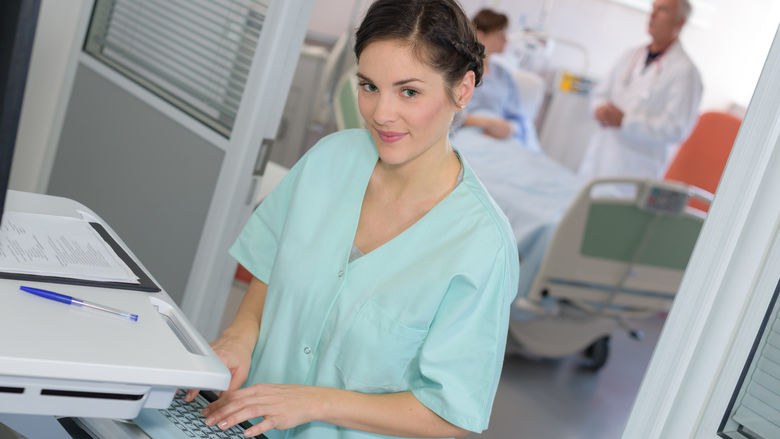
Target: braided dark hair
(438, 31)
(475, 54)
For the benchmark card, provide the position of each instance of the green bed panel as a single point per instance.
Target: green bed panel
(614, 231)
(348, 104)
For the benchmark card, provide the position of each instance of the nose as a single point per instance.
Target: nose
(385, 110)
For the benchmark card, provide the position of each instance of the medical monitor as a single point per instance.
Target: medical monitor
(18, 19)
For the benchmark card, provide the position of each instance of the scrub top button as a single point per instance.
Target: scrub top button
(341, 273)
(307, 350)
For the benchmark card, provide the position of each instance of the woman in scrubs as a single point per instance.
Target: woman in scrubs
(383, 271)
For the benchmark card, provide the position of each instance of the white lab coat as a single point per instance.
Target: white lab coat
(660, 103)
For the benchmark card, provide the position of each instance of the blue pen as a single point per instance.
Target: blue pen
(78, 302)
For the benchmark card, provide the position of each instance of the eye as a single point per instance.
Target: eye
(367, 86)
(409, 92)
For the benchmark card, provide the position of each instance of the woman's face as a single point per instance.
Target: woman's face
(494, 41)
(405, 103)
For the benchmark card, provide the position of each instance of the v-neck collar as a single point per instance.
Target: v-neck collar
(432, 211)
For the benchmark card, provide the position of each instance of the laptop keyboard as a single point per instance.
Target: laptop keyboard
(187, 418)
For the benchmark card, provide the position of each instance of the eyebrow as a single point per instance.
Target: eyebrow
(397, 83)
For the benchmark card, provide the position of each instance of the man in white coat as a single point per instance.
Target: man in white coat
(649, 102)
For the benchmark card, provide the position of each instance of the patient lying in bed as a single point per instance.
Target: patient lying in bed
(505, 105)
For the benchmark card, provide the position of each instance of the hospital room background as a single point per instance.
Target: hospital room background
(560, 48)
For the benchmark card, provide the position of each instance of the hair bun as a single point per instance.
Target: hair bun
(479, 61)
(473, 54)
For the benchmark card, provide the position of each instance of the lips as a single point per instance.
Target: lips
(390, 136)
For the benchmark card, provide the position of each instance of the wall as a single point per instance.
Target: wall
(333, 17)
(732, 52)
(57, 29)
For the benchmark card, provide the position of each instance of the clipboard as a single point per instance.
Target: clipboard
(145, 284)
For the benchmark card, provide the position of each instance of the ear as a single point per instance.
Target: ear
(678, 28)
(464, 89)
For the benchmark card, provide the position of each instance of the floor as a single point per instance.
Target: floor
(557, 399)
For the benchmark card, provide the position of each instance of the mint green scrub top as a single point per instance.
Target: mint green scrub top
(426, 312)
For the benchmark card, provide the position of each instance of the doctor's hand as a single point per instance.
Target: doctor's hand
(282, 406)
(608, 115)
(236, 354)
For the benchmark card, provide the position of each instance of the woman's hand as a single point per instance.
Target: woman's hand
(236, 344)
(282, 407)
(498, 128)
(236, 356)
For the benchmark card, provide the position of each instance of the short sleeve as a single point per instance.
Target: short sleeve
(256, 245)
(461, 358)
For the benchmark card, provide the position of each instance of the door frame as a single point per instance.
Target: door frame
(727, 287)
(213, 268)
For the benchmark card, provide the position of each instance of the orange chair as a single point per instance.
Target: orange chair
(701, 158)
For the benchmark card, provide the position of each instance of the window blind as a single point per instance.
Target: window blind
(756, 408)
(195, 54)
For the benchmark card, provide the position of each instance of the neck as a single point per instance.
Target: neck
(435, 168)
(660, 46)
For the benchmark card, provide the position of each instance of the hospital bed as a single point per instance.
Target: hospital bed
(611, 259)
(592, 256)
(345, 101)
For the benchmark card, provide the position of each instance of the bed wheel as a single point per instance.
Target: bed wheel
(597, 353)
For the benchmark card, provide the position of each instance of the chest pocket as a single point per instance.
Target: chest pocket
(376, 351)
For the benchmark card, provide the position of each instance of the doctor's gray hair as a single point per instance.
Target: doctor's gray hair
(684, 9)
(438, 31)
